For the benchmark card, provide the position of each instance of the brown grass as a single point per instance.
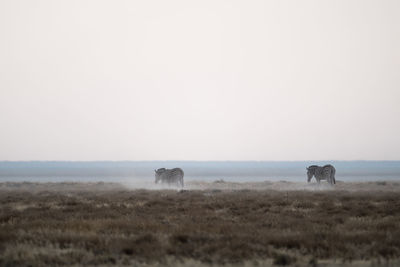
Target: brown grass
(107, 224)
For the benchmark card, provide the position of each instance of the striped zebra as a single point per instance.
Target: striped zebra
(169, 176)
(326, 172)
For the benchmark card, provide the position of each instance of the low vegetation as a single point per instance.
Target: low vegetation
(106, 224)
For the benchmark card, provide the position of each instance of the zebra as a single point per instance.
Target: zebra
(169, 176)
(326, 172)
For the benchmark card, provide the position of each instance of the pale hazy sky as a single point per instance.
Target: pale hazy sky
(199, 80)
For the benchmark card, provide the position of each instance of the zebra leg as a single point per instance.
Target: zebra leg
(333, 176)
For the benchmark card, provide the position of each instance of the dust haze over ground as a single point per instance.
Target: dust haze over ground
(222, 185)
(268, 185)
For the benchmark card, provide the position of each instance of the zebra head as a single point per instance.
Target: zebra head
(158, 174)
(311, 172)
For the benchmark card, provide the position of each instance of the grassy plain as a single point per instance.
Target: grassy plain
(208, 224)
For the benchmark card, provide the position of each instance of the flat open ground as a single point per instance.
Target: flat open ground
(214, 223)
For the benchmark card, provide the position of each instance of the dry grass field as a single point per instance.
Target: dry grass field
(207, 224)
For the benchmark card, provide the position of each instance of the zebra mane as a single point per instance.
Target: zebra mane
(312, 166)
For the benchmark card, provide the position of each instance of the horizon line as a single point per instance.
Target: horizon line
(177, 160)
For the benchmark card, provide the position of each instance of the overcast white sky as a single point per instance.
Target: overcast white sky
(199, 80)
